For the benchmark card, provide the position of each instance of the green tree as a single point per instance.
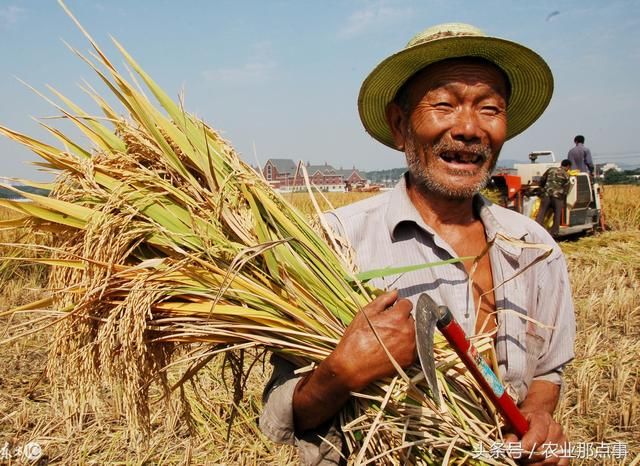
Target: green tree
(616, 177)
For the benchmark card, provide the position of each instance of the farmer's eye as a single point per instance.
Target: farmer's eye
(490, 110)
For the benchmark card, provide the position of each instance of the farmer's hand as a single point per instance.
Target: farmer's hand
(360, 358)
(545, 441)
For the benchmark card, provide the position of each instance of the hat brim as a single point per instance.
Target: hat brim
(530, 78)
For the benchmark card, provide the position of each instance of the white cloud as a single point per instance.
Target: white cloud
(9, 15)
(375, 14)
(258, 67)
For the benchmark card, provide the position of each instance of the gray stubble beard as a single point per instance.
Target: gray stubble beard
(425, 182)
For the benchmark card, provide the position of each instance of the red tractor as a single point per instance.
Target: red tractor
(519, 190)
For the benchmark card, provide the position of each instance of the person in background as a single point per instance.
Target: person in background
(580, 156)
(555, 186)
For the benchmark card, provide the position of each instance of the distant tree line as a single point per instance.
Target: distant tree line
(622, 176)
(610, 176)
(376, 176)
(8, 194)
(380, 176)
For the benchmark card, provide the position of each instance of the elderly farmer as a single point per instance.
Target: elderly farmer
(449, 100)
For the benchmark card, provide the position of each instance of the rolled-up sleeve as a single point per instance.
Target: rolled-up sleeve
(322, 446)
(276, 420)
(553, 377)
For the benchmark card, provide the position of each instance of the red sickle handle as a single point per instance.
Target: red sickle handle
(481, 371)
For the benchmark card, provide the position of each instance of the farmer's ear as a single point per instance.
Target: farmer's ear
(397, 120)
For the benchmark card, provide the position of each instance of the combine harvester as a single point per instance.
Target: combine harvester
(520, 191)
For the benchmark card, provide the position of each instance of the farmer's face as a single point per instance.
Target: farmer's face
(453, 126)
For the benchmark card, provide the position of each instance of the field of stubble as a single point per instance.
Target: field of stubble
(601, 400)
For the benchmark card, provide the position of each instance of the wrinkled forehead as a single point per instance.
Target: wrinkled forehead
(468, 70)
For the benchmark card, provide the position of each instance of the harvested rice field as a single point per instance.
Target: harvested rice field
(600, 407)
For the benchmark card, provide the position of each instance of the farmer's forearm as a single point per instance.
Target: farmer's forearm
(319, 397)
(358, 360)
(542, 396)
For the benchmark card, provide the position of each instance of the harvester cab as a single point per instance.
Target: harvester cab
(519, 189)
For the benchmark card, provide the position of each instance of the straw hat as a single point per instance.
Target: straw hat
(530, 77)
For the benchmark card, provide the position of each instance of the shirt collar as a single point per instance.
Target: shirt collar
(401, 209)
(497, 223)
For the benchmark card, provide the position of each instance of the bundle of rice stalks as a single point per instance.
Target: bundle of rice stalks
(164, 239)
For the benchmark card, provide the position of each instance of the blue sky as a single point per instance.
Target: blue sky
(284, 75)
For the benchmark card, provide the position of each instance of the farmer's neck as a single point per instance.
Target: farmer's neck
(440, 211)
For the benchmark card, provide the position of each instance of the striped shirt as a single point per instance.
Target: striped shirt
(388, 231)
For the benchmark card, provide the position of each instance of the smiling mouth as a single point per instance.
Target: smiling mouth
(462, 157)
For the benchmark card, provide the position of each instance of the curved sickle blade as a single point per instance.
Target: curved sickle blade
(426, 318)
